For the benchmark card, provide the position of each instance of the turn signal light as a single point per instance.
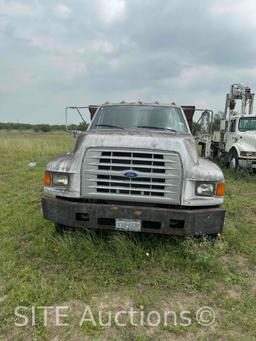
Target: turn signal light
(220, 189)
(47, 179)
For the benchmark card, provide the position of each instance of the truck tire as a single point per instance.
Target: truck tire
(212, 236)
(233, 160)
(60, 229)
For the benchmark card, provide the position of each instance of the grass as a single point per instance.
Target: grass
(115, 271)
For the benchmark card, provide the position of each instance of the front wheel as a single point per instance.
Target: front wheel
(61, 229)
(233, 163)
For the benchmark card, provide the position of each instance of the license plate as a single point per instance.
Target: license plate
(133, 225)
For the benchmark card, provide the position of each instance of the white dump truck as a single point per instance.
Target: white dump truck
(136, 168)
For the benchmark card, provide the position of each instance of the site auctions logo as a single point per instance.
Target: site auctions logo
(60, 315)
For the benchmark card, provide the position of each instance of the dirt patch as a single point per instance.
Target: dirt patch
(240, 262)
(250, 213)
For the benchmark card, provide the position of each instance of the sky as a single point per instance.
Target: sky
(55, 54)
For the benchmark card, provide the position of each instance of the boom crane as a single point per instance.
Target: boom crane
(239, 92)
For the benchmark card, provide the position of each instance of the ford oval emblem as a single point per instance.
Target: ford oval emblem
(130, 174)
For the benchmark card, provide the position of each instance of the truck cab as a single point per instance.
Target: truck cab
(240, 141)
(136, 168)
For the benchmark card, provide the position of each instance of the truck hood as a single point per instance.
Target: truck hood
(248, 141)
(143, 139)
(184, 144)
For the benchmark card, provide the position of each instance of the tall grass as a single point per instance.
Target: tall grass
(39, 267)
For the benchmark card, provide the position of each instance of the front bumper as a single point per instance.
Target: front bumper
(247, 162)
(174, 221)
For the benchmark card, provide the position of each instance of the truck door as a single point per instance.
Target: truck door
(231, 135)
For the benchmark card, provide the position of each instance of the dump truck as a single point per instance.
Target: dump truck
(137, 169)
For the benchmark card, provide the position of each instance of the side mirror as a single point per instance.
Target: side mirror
(76, 128)
(205, 122)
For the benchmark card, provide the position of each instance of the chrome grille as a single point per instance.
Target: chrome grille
(159, 174)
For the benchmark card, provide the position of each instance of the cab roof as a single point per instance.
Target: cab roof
(139, 103)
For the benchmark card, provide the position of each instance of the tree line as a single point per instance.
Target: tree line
(41, 127)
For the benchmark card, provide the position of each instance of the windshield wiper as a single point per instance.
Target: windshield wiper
(109, 126)
(160, 128)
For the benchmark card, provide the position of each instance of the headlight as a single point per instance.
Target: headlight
(205, 189)
(59, 179)
(56, 179)
(208, 189)
(250, 154)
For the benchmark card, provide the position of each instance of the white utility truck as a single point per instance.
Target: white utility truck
(235, 142)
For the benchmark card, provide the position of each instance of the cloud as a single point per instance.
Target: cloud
(62, 10)
(69, 67)
(100, 46)
(111, 10)
(57, 53)
(15, 9)
(243, 13)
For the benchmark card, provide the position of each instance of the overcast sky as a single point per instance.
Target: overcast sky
(59, 53)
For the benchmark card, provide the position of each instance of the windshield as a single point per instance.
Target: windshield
(140, 117)
(247, 123)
